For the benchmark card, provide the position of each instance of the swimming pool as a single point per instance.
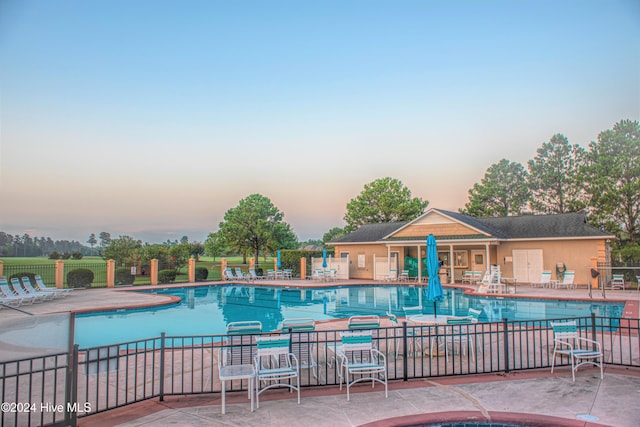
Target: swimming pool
(206, 310)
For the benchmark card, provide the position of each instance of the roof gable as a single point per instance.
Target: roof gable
(440, 223)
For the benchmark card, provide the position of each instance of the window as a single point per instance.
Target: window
(460, 259)
(361, 260)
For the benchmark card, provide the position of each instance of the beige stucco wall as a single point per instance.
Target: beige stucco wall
(368, 251)
(575, 255)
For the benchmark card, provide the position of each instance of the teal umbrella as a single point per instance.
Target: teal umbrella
(278, 263)
(324, 258)
(434, 290)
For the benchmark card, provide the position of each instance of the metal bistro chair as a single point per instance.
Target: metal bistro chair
(275, 365)
(413, 343)
(359, 361)
(303, 341)
(580, 350)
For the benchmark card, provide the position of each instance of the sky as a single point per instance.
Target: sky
(152, 118)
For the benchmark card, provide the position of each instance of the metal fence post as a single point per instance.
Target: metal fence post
(505, 327)
(162, 345)
(71, 394)
(405, 358)
(593, 328)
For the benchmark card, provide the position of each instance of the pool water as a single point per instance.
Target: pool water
(207, 310)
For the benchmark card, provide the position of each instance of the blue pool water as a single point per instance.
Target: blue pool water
(207, 310)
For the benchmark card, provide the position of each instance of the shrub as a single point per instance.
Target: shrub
(166, 276)
(79, 277)
(65, 255)
(76, 255)
(124, 276)
(201, 274)
(54, 255)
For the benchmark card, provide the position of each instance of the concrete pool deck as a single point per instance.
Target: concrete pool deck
(534, 396)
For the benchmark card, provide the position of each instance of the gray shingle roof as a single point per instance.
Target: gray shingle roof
(370, 232)
(512, 227)
(541, 226)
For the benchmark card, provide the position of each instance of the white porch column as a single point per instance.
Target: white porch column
(419, 264)
(486, 245)
(451, 267)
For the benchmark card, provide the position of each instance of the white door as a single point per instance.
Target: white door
(527, 265)
(478, 261)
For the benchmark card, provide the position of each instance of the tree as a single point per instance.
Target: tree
(334, 233)
(122, 250)
(383, 200)
(92, 241)
(502, 191)
(159, 252)
(105, 239)
(555, 181)
(613, 179)
(214, 245)
(196, 249)
(180, 254)
(256, 225)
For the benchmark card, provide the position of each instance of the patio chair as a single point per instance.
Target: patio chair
(491, 281)
(303, 341)
(359, 361)
(474, 315)
(317, 274)
(9, 297)
(40, 286)
(228, 274)
(414, 344)
(363, 322)
(245, 327)
(567, 280)
(254, 276)
(275, 365)
(21, 292)
(467, 277)
(26, 284)
(617, 281)
(240, 370)
(477, 277)
(580, 350)
(331, 275)
(404, 276)
(455, 334)
(242, 276)
(392, 276)
(544, 281)
(412, 311)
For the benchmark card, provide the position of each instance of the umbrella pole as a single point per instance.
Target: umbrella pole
(435, 310)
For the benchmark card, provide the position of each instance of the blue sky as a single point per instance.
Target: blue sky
(152, 118)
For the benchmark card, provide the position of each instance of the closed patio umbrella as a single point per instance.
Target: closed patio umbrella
(324, 258)
(278, 263)
(434, 291)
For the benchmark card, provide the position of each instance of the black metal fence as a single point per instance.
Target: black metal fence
(630, 276)
(93, 380)
(46, 271)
